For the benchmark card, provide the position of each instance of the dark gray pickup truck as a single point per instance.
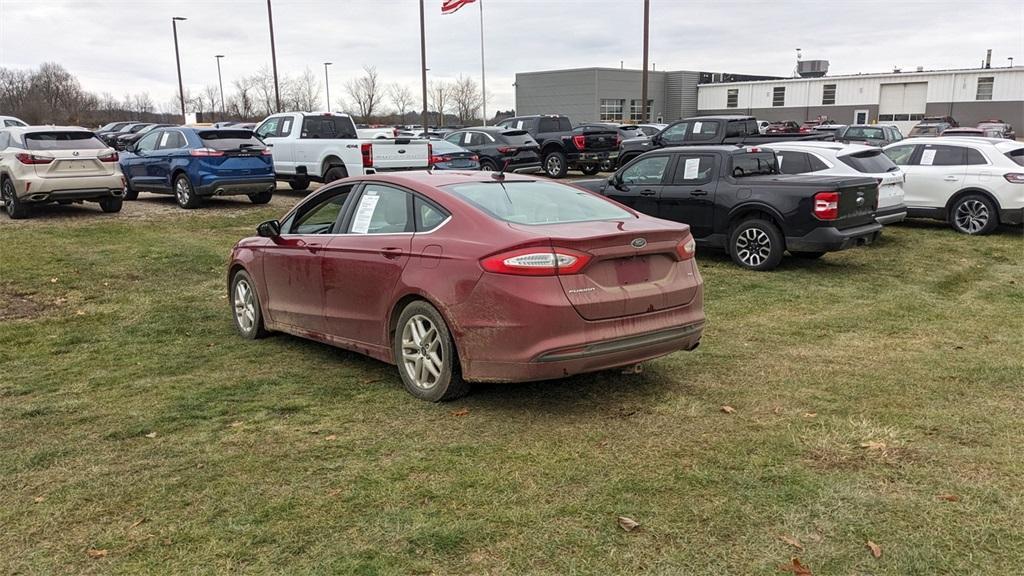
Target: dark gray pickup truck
(734, 198)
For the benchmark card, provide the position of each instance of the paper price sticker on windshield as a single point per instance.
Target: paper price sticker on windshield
(927, 157)
(696, 127)
(779, 157)
(367, 204)
(690, 168)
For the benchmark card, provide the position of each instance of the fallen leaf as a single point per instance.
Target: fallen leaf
(461, 412)
(97, 552)
(53, 280)
(727, 409)
(795, 567)
(948, 497)
(331, 437)
(106, 283)
(873, 445)
(151, 435)
(79, 312)
(791, 541)
(136, 523)
(627, 523)
(876, 550)
(810, 414)
(38, 499)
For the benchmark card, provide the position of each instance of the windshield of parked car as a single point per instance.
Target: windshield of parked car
(869, 162)
(229, 139)
(754, 164)
(537, 202)
(863, 133)
(65, 140)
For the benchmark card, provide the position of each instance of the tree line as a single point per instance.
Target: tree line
(50, 94)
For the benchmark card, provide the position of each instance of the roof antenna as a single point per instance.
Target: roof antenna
(500, 174)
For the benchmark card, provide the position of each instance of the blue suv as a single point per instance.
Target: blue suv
(196, 163)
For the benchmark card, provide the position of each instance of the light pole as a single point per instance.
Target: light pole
(1011, 61)
(273, 59)
(327, 83)
(220, 81)
(177, 58)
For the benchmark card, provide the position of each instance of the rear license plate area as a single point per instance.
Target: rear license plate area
(631, 271)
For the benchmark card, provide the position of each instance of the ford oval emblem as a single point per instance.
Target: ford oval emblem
(860, 201)
(638, 243)
(75, 153)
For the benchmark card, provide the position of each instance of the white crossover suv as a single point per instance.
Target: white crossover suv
(975, 184)
(848, 160)
(40, 164)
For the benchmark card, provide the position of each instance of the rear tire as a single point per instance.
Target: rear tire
(425, 354)
(261, 197)
(335, 173)
(756, 244)
(591, 170)
(111, 204)
(245, 306)
(299, 184)
(807, 255)
(185, 194)
(488, 166)
(554, 165)
(15, 208)
(974, 215)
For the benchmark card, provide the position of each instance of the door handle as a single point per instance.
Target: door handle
(699, 193)
(647, 192)
(313, 248)
(950, 178)
(391, 253)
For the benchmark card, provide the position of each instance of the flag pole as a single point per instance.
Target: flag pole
(423, 67)
(483, 76)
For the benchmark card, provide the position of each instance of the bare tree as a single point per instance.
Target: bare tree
(263, 88)
(401, 98)
(439, 93)
(365, 93)
(142, 104)
(211, 98)
(304, 92)
(241, 104)
(466, 99)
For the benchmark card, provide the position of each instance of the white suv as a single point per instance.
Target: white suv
(973, 183)
(848, 160)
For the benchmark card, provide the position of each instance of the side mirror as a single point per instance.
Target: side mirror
(656, 139)
(615, 181)
(269, 229)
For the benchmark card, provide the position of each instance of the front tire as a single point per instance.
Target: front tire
(756, 244)
(261, 197)
(14, 207)
(111, 204)
(245, 306)
(185, 194)
(973, 214)
(554, 165)
(425, 354)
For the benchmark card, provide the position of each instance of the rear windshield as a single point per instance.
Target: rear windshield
(537, 202)
(63, 141)
(755, 164)
(518, 138)
(869, 162)
(1016, 155)
(229, 139)
(859, 133)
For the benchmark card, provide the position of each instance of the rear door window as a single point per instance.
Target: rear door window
(327, 127)
(564, 125)
(548, 125)
(753, 164)
(703, 130)
(381, 210)
(171, 140)
(63, 140)
(692, 170)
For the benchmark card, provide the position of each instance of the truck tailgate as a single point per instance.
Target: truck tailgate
(858, 201)
(597, 138)
(399, 154)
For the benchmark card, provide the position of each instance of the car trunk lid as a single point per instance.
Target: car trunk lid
(595, 138)
(74, 163)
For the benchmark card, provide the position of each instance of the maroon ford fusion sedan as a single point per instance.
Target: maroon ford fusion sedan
(471, 276)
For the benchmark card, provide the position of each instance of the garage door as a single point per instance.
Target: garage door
(902, 104)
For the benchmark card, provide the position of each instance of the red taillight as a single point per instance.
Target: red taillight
(474, 158)
(1014, 177)
(826, 205)
(506, 150)
(687, 248)
(537, 262)
(440, 159)
(32, 159)
(205, 152)
(580, 141)
(111, 157)
(366, 149)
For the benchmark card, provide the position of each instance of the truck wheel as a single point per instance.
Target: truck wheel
(973, 214)
(261, 197)
(807, 255)
(111, 204)
(14, 207)
(335, 173)
(554, 164)
(185, 194)
(756, 244)
(591, 170)
(425, 353)
(299, 183)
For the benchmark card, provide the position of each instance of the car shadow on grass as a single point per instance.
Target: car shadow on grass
(928, 224)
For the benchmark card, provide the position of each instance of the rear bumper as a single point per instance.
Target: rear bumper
(77, 194)
(1013, 216)
(231, 187)
(891, 215)
(32, 188)
(828, 239)
(593, 158)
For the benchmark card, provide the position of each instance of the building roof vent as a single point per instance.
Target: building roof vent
(812, 68)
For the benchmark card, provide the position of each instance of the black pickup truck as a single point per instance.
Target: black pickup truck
(734, 198)
(709, 130)
(564, 148)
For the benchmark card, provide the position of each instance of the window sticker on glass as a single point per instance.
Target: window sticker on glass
(690, 169)
(779, 156)
(927, 157)
(367, 204)
(164, 138)
(696, 127)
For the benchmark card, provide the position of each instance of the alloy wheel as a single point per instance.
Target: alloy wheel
(971, 216)
(552, 165)
(181, 191)
(422, 353)
(245, 305)
(7, 195)
(753, 246)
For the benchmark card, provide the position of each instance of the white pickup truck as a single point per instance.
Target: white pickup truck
(324, 147)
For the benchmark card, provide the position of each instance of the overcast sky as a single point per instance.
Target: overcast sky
(121, 46)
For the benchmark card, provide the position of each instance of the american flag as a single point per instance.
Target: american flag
(451, 6)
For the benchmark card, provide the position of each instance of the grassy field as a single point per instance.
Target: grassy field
(877, 396)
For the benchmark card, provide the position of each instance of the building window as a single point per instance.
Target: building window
(732, 98)
(779, 96)
(634, 111)
(985, 88)
(611, 110)
(828, 95)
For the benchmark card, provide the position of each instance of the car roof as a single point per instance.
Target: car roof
(489, 129)
(34, 129)
(977, 140)
(727, 148)
(435, 178)
(833, 146)
(722, 117)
